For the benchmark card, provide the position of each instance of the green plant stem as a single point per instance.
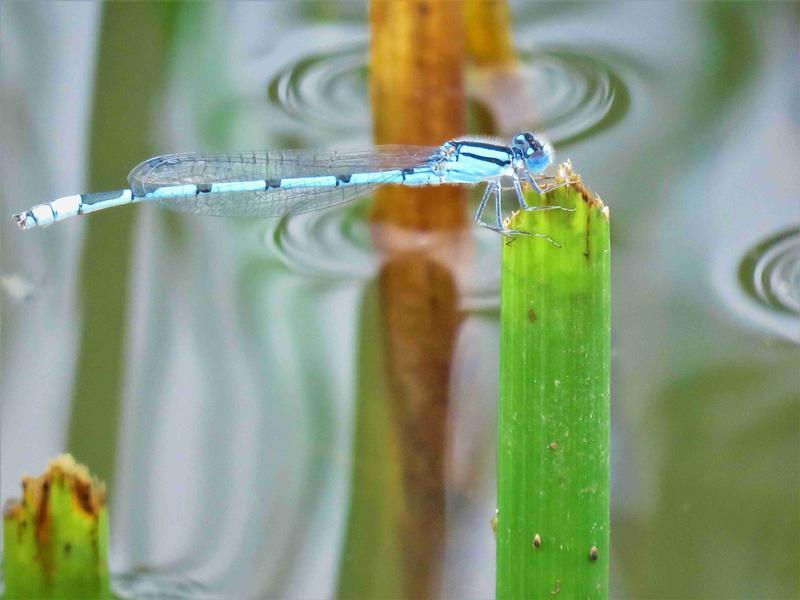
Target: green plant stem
(553, 456)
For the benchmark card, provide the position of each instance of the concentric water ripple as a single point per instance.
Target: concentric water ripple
(770, 273)
(150, 584)
(576, 95)
(332, 243)
(325, 89)
(569, 94)
(763, 286)
(337, 244)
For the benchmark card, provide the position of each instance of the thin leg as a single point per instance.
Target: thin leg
(524, 204)
(520, 195)
(532, 182)
(549, 187)
(539, 190)
(482, 206)
(494, 187)
(498, 207)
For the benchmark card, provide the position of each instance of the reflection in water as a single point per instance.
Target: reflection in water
(101, 367)
(417, 97)
(769, 274)
(717, 441)
(339, 245)
(419, 306)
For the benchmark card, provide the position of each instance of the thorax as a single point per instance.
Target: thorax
(469, 161)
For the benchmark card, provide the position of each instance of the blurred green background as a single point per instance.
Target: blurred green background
(225, 376)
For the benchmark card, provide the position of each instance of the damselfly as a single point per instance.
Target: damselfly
(270, 184)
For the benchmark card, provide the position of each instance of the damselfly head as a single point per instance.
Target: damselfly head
(535, 150)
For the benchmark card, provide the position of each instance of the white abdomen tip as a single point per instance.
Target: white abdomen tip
(44, 214)
(23, 220)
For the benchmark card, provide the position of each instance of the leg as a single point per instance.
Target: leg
(482, 206)
(547, 188)
(532, 182)
(550, 186)
(520, 195)
(494, 187)
(498, 208)
(536, 188)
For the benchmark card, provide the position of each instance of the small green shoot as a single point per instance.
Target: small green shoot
(56, 536)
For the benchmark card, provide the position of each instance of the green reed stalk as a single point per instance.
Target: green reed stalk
(553, 457)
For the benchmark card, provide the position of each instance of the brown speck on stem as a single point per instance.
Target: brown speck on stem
(42, 514)
(594, 553)
(537, 541)
(532, 315)
(83, 493)
(588, 229)
(553, 446)
(557, 590)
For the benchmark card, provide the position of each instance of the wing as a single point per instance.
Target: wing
(205, 170)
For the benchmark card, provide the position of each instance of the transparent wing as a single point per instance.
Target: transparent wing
(177, 169)
(204, 170)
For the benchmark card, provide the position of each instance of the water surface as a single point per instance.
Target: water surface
(228, 377)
